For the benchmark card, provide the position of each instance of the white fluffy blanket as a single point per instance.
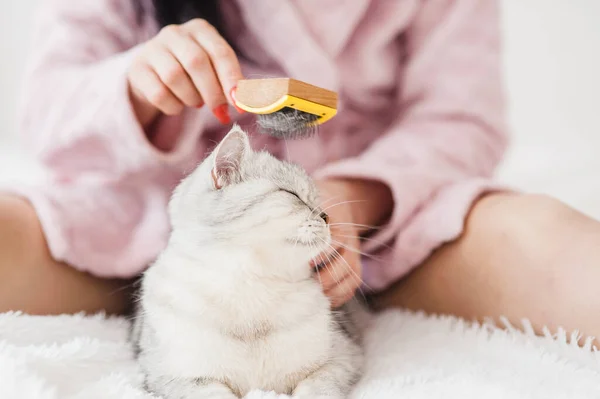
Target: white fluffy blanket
(408, 356)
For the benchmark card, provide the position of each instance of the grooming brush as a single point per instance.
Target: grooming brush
(286, 108)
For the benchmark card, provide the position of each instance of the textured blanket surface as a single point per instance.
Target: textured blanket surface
(408, 356)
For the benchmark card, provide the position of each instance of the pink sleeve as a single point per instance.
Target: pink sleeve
(102, 206)
(450, 136)
(76, 116)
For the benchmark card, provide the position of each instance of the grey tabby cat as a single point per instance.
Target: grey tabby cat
(231, 305)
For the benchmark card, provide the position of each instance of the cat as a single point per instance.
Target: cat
(231, 305)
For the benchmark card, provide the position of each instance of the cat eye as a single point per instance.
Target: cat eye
(293, 193)
(325, 217)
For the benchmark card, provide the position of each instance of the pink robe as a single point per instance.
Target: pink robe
(421, 110)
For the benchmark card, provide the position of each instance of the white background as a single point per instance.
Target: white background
(552, 67)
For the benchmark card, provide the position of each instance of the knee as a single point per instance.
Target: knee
(537, 215)
(17, 216)
(21, 236)
(531, 227)
(14, 211)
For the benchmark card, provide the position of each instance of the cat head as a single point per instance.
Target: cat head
(243, 198)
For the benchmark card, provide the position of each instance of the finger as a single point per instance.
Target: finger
(222, 56)
(325, 259)
(350, 266)
(145, 80)
(342, 292)
(204, 78)
(333, 274)
(329, 255)
(174, 76)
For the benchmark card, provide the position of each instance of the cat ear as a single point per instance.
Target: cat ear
(228, 157)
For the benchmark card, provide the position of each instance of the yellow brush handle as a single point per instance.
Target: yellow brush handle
(325, 113)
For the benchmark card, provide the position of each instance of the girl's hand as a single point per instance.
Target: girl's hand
(339, 267)
(184, 65)
(352, 205)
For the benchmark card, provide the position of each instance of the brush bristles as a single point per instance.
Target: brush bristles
(288, 123)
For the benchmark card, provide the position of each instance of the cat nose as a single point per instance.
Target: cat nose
(325, 217)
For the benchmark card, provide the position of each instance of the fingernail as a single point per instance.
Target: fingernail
(222, 114)
(232, 95)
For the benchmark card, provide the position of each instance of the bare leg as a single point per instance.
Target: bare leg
(521, 256)
(31, 281)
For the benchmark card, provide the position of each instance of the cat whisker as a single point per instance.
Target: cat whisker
(356, 251)
(354, 274)
(325, 262)
(124, 287)
(336, 275)
(379, 242)
(366, 226)
(327, 200)
(342, 203)
(330, 260)
(140, 315)
(317, 272)
(320, 205)
(326, 266)
(321, 209)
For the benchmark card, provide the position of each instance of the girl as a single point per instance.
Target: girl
(124, 97)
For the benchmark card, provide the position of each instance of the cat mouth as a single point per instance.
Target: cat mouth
(315, 243)
(316, 237)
